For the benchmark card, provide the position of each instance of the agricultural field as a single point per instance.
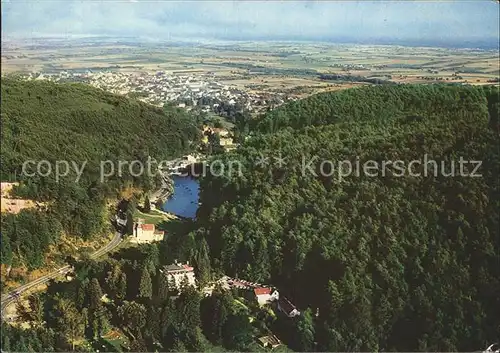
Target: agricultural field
(261, 66)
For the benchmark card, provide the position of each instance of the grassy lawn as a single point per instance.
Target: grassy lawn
(153, 217)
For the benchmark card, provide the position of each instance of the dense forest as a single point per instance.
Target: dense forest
(389, 262)
(376, 105)
(392, 262)
(78, 124)
(129, 293)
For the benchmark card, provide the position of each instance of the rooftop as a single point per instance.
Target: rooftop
(270, 340)
(147, 227)
(262, 291)
(178, 267)
(285, 305)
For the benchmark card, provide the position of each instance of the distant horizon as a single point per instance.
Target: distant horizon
(449, 24)
(485, 44)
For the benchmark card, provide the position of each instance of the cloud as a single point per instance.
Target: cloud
(358, 20)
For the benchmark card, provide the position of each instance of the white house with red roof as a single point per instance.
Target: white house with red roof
(146, 233)
(265, 295)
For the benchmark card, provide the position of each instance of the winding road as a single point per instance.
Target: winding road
(11, 297)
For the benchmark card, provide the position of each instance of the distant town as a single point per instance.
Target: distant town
(187, 90)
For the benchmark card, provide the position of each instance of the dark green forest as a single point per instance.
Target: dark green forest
(376, 105)
(139, 301)
(407, 263)
(76, 123)
(374, 263)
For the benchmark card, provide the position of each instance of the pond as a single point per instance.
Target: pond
(184, 201)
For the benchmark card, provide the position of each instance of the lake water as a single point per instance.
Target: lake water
(184, 201)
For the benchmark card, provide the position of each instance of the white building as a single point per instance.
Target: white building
(265, 295)
(179, 273)
(146, 233)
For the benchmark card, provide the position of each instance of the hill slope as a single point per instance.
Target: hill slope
(78, 124)
(376, 104)
(391, 261)
(73, 122)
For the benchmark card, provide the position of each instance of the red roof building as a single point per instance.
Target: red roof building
(146, 233)
(265, 295)
(262, 291)
(147, 227)
(177, 273)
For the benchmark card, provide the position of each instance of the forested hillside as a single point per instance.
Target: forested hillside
(74, 122)
(406, 263)
(376, 104)
(77, 124)
(393, 261)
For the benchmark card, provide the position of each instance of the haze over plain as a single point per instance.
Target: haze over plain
(447, 23)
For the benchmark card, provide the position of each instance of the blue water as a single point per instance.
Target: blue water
(184, 201)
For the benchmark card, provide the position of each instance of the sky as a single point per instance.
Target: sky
(458, 21)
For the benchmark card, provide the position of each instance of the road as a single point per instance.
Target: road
(11, 297)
